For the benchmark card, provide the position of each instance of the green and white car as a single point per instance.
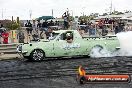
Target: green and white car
(60, 46)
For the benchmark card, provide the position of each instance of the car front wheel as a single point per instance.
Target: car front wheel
(37, 55)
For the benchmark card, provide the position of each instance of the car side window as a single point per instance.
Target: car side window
(62, 37)
(66, 35)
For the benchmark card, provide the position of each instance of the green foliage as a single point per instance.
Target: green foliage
(12, 25)
(105, 14)
(116, 13)
(86, 18)
(71, 18)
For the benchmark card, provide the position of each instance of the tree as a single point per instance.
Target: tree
(86, 18)
(116, 13)
(12, 25)
(71, 18)
(105, 14)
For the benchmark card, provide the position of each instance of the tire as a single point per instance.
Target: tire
(27, 58)
(98, 48)
(37, 55)
(117, 52)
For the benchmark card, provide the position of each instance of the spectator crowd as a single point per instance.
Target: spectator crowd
(43, 30)
(104, 26)
(40, 30)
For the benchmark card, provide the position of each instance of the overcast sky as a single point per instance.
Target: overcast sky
(23, 8)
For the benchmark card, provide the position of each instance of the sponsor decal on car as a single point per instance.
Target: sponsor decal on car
(68, 46)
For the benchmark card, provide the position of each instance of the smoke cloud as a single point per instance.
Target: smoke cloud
(125, 40)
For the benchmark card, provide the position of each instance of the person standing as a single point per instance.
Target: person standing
(20, 36)
(5, 36)
(39, 25)
(1, 31)
(34, 25)
(51, 23)
(30, 27)
(42, 35)
(116, 28)
(35, 34)
(121, 26)
(45, 26)
(66, 23)
(0, 35)
(27, 28)
(0, 25)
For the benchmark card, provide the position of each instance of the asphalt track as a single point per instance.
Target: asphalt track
(61, 73)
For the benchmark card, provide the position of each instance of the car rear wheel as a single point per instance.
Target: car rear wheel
(96, 50)
(97, 47)
(37, 55)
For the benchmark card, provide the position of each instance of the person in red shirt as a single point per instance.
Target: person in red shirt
(5, 36)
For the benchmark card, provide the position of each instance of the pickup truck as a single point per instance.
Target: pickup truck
(66, 43)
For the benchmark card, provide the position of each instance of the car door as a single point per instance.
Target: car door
(60, 46)
(78, 46)
(65, 46)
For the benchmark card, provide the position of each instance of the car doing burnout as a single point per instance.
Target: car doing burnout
(66, 43)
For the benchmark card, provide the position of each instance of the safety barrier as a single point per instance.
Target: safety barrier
(8, 51)
(8, 48)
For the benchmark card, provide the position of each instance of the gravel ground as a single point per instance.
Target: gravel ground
(60, 73)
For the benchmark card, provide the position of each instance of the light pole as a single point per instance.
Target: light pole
(30, 14)
(83, 9)
(52, 12)
(2, 14)
(111, 7)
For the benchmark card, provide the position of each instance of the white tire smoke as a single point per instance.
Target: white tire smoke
(98, 51)
(125, 40)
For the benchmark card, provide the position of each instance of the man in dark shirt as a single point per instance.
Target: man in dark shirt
(1, 31)
(20, 36)
(45, 26)
(39, 25)
(30, 27)
(26, 25)
(66, 23)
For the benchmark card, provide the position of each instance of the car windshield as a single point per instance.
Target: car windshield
(53, 36)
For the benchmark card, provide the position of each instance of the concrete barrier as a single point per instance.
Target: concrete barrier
(9, 56)
(8, 51)
(8, 48)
